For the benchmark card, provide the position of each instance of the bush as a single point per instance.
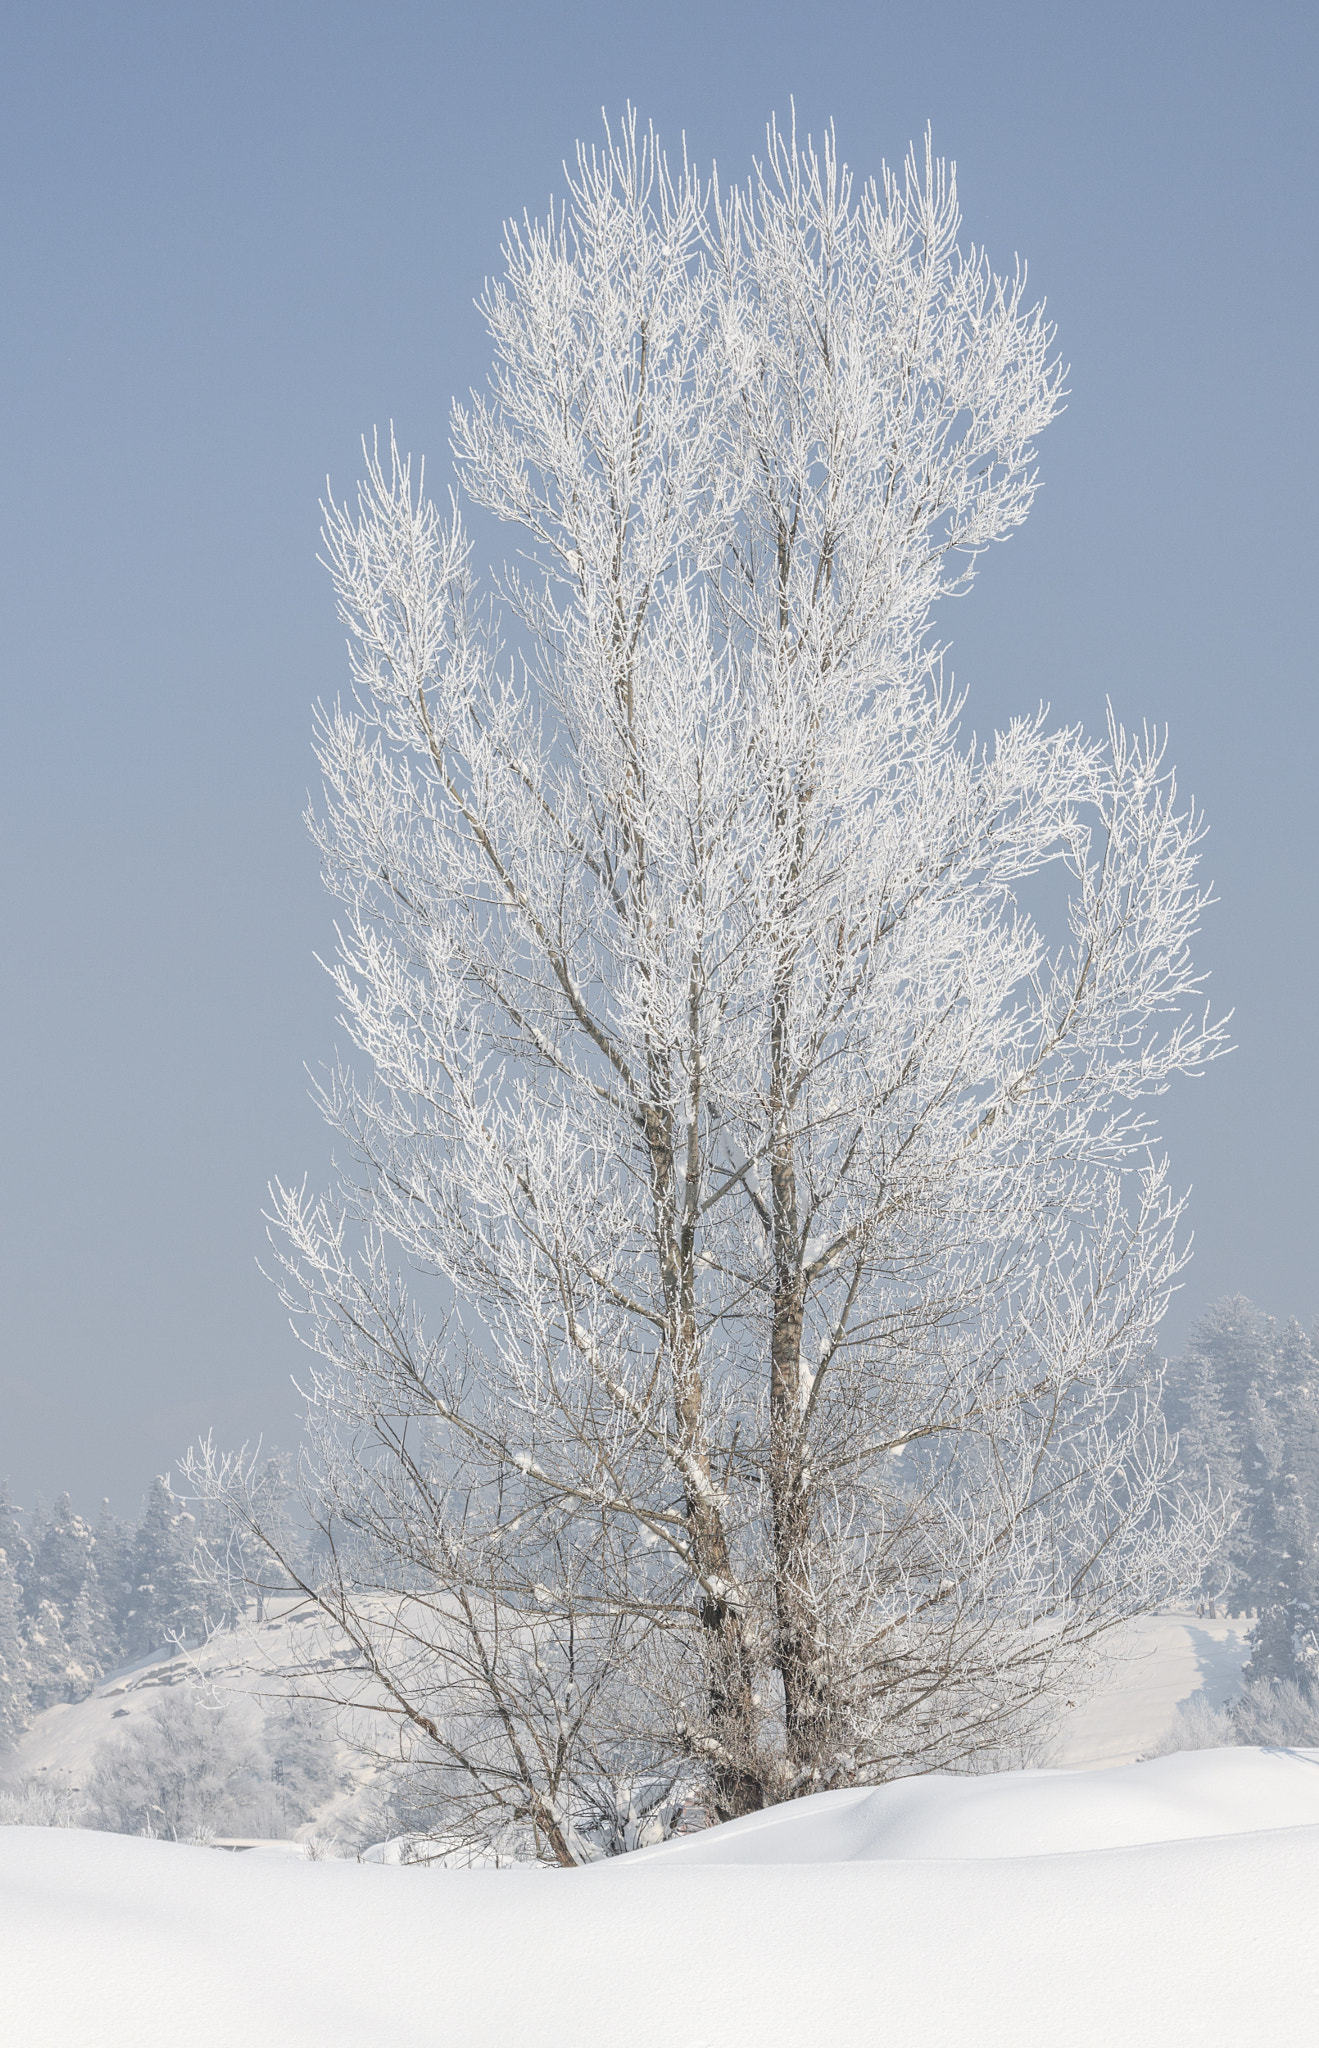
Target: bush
(1283, 1715)
(1269, 1715)
(39, 1803)
(193, 1768)
(1197, 1725)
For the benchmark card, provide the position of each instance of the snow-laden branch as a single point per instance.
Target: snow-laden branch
(751, 1237)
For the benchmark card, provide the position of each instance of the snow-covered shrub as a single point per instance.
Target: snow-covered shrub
(1281, 1715)
(192, 1768)
(301, 1768)
(1197, 1725)
(39, 1803)
(187, 1770)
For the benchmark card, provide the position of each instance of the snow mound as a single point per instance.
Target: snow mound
(1023, 1813)
(831, 1935)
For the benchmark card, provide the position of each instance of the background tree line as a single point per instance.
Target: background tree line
(79, 1598)
(1243, 1400)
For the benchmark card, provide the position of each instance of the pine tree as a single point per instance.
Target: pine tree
(165, 1598)
(14, 1686)
(1244, 1400)
(62, 1559)
(87, 1633)
(48, 1656)
(38, 1521)
(13, 1541)
(1212, 1403)
(113, 1557)
(1285, 1641)
(1258, 1541)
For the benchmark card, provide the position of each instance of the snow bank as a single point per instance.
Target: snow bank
(922, 1912)
(1024, 1813)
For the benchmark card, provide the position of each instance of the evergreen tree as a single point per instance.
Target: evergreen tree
(14, 1686)
(1285, 1641)
(166, 1595)
(52, 1667)
(13, 1541)
(1257, 1541)
(69, 1633)
(1212, 1404)
(61, 1561)
(38, 1518)
(1236, 1340)
(113, 1556)
(1244, 1400)
(89, 1637)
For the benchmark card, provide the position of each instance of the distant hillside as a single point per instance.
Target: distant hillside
(243, 1676)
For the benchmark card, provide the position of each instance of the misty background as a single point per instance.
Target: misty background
(233, 240)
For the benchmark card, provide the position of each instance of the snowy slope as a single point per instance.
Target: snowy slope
(906, 1915)
(253, 1667)
(1161, 1661)
(1023, 1813)
(1165, 1659)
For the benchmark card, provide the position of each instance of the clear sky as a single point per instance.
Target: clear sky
(234, 238)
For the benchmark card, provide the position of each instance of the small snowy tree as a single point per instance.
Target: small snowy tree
(185, 1769)
(165, 1597)
(14, 1675)
(731, 1325)
(190, 1766)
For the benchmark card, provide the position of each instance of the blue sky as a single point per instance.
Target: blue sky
(234, 238)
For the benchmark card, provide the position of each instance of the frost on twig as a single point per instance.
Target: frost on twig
(730, 1326)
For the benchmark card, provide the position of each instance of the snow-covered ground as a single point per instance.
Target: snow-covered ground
(251, 1668)
(1169, 1904)
(1165, 1659)
(1164, 1903)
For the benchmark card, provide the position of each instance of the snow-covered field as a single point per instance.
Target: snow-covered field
(1166, 1659)
(251, 1668)
(1171, 1901)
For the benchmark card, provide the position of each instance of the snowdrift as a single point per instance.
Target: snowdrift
(1171, 1902)
(1024, 1813)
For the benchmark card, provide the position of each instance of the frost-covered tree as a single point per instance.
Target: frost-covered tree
(62, 1557)
(1284, 1525)
(1244, 1401)
(68, 1630)
(15, 1686)
(112, 1554)
(55, 1672)
(731, 1323)
(13, 1539)
(165, 1597)
(187, 1768)
(190, 1766)
(15, 1674)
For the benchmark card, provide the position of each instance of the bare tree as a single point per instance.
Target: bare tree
(732, 1319)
